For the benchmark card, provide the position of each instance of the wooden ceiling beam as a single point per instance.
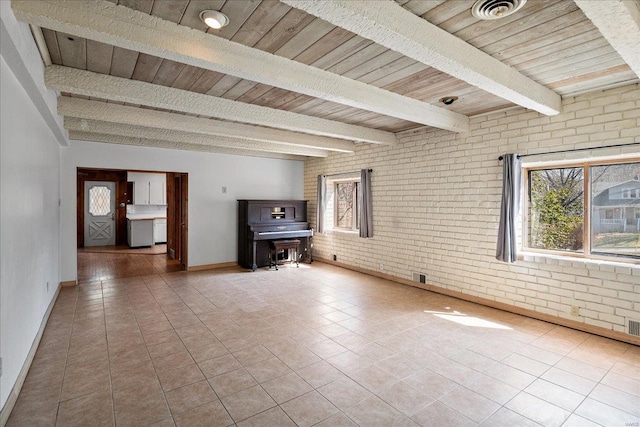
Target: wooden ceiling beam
(126, 28)
(122, 140)
(102, 86)
(180, 137)
(389, 24)
(126, 115)
(619, 23)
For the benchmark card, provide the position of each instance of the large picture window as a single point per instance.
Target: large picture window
(589, 209)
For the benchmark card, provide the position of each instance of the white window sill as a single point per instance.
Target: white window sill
(340, 231)
(530, 256)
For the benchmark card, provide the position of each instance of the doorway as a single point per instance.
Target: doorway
(103, 253)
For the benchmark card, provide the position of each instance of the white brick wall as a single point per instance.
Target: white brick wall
(436, 199)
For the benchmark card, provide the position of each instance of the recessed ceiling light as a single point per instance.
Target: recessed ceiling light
(448, 100)
(214, 19)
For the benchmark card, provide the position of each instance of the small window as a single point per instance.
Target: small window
(99, 200)
(346, 205)
(590, 209)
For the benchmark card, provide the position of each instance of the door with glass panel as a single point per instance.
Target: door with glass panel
(99, 213)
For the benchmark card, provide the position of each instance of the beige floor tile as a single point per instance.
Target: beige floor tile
(251, 355)
(344, 393)
(268, 369)
(512, 376)
(405, 398)
(337, 420)
(271, 417)
(319, 374)
(212, 414)
(604, 414)
(95, 409)
(326, 348)
(504, 417)
(247, 403)
(578, 421)
(83, 379)
(568, 380)
(470, 404)
(582, 369)
(144, 410)
(40, 417)
(552, 393)
(374, 412)
(438, 414)
(190, 396)
(618, 399)
(232, 382)
(210, 351)
(491, 388)
(526, 364)
(623, 383)
(472, 360)
(538, 410)
(373, 378)
(173, 361)
(309, 409)
(431, 383)
(219, 365)
(179, 377)
(37, 400)
(286, 387)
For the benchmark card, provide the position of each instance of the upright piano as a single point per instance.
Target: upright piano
(261, 221)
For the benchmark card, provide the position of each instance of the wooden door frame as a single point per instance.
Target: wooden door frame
(177, 211)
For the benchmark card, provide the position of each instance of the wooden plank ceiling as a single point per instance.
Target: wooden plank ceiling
(549, 41)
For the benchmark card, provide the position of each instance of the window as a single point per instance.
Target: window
(588, 210)
(343, 210)
(346, 205)
(99, 200)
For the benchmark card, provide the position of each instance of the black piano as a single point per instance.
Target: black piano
(261, 221)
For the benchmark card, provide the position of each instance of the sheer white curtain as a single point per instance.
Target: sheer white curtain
(507, 240)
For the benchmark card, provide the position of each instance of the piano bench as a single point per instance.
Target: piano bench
(277, 246)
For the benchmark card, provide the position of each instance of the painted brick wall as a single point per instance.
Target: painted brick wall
(436, 208)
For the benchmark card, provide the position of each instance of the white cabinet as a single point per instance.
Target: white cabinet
(160, 231)
(141, 192)
(156, 193)
(139, 232)
(148, 188)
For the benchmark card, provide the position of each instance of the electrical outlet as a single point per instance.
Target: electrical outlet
(224, 190)
(335, 257)
(575, 310)
(381, 266)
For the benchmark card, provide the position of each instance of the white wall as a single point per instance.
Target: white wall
(436, 201)
(29, 224)
(212, 213)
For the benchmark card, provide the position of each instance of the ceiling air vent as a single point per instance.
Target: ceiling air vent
(496, 9)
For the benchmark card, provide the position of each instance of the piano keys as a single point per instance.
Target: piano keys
(261, 221)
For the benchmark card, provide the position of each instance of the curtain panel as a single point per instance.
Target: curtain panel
(366, 204)
(507, 244)
(322, 203)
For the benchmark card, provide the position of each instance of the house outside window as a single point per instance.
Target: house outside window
(587, 209)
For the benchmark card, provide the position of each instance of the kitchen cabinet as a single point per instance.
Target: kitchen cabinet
(160, 230)
(141, 192)
(148, 188)
(156, 193)
(139, 232)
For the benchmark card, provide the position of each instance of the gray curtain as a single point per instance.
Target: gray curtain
(322, 203)
(507, 244)
(366, 204)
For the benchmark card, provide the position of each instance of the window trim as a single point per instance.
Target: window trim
(356, 210)
(586, 253)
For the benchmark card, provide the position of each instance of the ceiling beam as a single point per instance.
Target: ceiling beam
(619, 23)
(113, 139)
(130, 131)
(126, 115)
(86, 83)
(126, 28)
(389, 24)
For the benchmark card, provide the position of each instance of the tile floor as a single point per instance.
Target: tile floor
(318, 345)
